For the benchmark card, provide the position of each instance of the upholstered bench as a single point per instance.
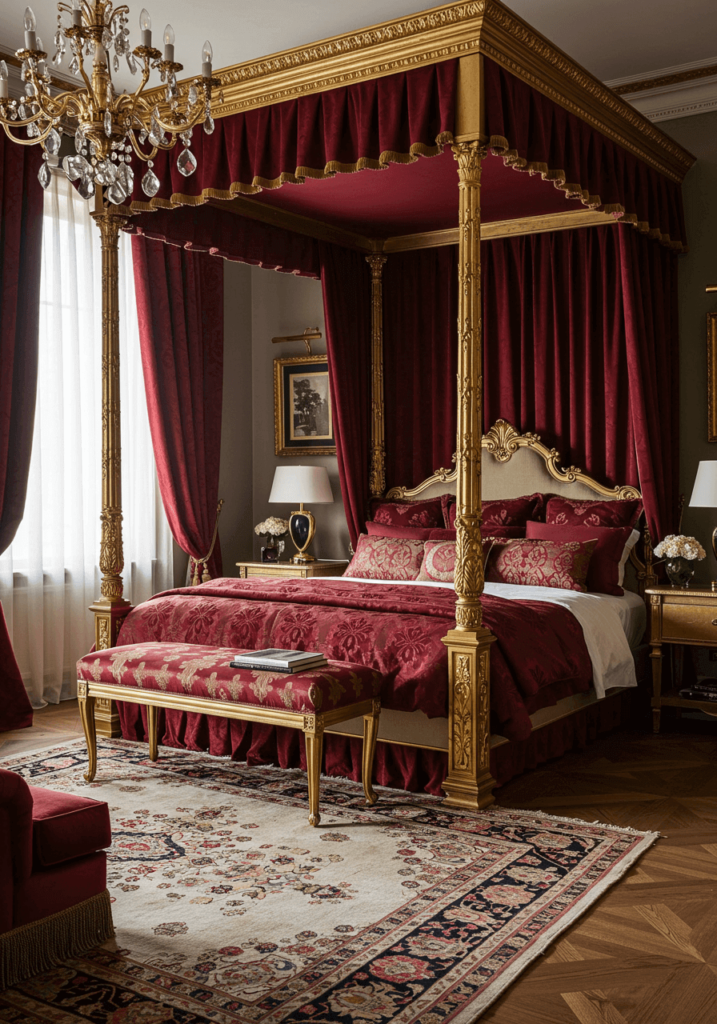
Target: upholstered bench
(191, 677)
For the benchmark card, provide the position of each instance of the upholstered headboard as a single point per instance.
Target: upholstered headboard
(516, 464)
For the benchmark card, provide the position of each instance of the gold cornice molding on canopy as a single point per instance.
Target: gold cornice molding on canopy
(453, 30)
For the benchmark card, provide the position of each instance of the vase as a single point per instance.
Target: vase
(680, 571)
(273, 548)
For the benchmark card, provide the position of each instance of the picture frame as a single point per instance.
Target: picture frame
(303, 415)
(712, 376)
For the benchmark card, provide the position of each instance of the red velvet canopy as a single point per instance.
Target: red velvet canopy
(302, 152)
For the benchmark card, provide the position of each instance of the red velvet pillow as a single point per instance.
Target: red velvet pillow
(408, 513)
(604, 568)
(502, 532)
(407, 532)
(386, 558)
(540, 563)
(569, 512)
(499, 513)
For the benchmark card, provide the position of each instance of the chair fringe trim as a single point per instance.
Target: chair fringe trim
(41, 945)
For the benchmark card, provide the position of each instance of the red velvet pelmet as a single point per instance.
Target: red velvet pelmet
(180, 307)
(545, 138)
(346, 284)
(420, 292)
(21, 201)
(366, 124)
(233, 237)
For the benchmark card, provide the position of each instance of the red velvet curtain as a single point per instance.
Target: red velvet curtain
(420, 293)
(21, 201)
(180, 306)
(366, 124)
(346, 284)
(539, 136)
(580, 345)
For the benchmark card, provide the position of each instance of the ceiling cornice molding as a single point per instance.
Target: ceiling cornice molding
(669, 93)
(452, 30)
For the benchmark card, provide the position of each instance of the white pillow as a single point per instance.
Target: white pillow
(629, 545)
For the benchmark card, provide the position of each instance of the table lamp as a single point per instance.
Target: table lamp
(704, 495)
(301, 484)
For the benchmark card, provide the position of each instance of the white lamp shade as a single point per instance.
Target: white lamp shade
(704, 493)
(296, 484)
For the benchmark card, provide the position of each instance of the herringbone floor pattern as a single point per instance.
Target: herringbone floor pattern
(647, 954)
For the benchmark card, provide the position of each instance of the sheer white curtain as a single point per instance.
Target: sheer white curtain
(49, 574)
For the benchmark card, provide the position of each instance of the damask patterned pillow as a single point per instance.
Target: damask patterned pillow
(408, 513)
(569, 512)
(540, 563)
(499, 513)
(607, 564)
(495, 532)
(386, 558)
(439, 561)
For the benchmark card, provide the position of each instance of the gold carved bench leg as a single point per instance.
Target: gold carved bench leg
(370, 733)
(152, 713)
(87, 714)
(314, 736)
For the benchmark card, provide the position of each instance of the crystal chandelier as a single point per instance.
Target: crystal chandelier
(109, 127)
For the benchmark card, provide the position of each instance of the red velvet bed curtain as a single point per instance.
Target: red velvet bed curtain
(346, 285)
(420, 362)
(580, 345)
(180, 306)
(21, 201)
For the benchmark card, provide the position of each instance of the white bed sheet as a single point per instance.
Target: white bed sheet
(610, 625)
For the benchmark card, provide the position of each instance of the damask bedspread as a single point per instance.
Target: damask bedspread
(538, 658)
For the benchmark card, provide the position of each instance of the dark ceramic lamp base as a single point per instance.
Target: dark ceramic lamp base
(302, 527)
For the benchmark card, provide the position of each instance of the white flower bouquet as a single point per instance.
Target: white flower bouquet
(272, 527)
(678, 546)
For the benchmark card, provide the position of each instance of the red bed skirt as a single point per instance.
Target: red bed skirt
(396, 766)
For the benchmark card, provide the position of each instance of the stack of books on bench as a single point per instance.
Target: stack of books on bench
(275, 660)
(705, 690)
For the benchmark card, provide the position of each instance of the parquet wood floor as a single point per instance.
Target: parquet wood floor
(647, 954)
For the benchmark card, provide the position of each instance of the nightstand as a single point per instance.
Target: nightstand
(679, 616)
(321, 567)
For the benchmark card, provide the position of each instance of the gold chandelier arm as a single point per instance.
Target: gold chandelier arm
(7, 125)
(135, 146)
(177, 129)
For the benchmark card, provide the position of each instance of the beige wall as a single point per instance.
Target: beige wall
(697, 270)
(259, 305)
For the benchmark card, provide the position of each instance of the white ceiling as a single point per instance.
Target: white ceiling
(611, 38)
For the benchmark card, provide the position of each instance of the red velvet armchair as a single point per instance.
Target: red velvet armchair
(53, 889)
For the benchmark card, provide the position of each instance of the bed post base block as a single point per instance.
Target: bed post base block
(109, 617)
(469, 783)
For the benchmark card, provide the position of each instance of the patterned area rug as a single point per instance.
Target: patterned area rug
(231, 909)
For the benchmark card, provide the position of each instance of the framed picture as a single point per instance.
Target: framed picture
(303, 421)
(712, 376)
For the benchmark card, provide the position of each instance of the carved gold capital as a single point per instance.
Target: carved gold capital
(377, 469)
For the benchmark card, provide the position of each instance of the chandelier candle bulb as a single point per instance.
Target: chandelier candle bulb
(169, 44)
(207, 55)
(41, 66)
(76, 13)
(145, 24)
(3, 80)
(30, 25)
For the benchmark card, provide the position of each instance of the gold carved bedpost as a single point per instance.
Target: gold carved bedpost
(111, 607)
(469, 782)
(377, 473)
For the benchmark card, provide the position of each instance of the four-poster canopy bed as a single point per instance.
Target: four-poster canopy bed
(474, 78)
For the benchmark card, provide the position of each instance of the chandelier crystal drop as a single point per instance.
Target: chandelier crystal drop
(111, 128)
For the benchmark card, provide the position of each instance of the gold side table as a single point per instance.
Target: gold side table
(679, 616)
(321, 567)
